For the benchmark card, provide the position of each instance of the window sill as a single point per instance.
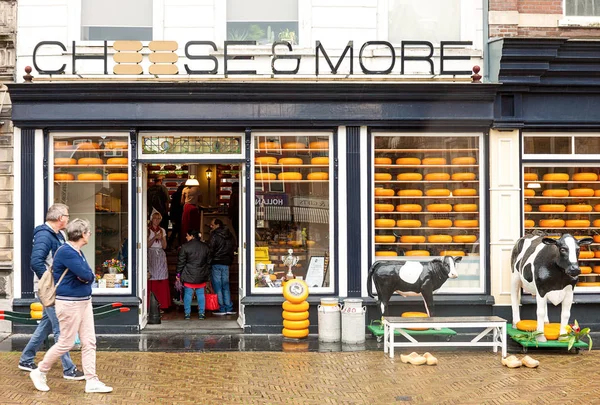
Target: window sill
(579, 22)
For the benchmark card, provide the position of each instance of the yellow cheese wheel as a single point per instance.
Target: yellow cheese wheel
(556, 177)
(384, 207)
(416, 253)
(384, 192)
(464, 192)
(385, 223)
(557, 192)
(552, 223)
(319, 145)
(585, 177)
(437, 192)
(437, 176)
(36, 314)
(527, 207)
(409, 176)
(434, 161)
(439, 223)
(294, 316)
(465, 207)
(65, 161)
(581, 192)
(415, 315)
(467, 160)
(439, 207)
(577, 223)
(383, 176)
(588, 284)
(466, 223)
(408, 161)
(585, 269)
(89, 176)
(439, 238)
(383, 161)
(117, 176)
(266, 160)
(63, 176)
(552, 208)
(294, 334)
(385, 239)
(596, 270)
(597, 224)
(289, 176)
(90, 161)
(288, 306)
(295, 291)
(269, 145)
(597, 207)
(579, 208)
(319, 160)
(62, 145)
(409, 208)
(412, 239)
(527, 325)
(296, 326)
(321, 176)
(529, 223)
(586, 254)
(294, 145)
(528, 192)
(464, 238)
(410, 193)
(117, 161)
(408, 223)
(463, 176)
(87, 145)
(530, 176)
(385, 253)
(290, 161)
(117, 145)
(452, 253)
(265, 176)
(552, 331)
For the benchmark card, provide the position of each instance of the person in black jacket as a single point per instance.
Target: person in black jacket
(193, 269)
(221, 250)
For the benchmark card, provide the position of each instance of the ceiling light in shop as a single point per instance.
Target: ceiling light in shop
(192, 181)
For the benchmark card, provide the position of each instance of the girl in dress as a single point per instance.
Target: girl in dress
(158, 282)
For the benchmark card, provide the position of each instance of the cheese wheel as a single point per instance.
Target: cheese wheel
(265, 176)
(597, 224)
(439, 207)
(117, 176)
(416, 253)
(410, 193)
(409, 208)
(527, 208)
(62, 145)
(116, 145)
(585, 177)
(439, 238)
(439, 223)
(596, 270)
(467, 160)
(408, 161)
(319, 145)
(89, 176)
(579, 208)
(527, 325)
(415, 315)
(437, 176)
(319, 160)
(530, 176)
(552, 208)
(464, 192)
(385, 239)
(117, 161)
(269, 145)
(585, 269)
(384, 207)
(65, 161)
(437, 192)
(385, 253)
(321, 176)
(434, 161)
(528, 192)
(577, 223)
(383, 176)
(597, 207)
(466, 223)
(294, 145)
(289, 176)
(556, 177)
(529, 223)
(463, 176)
(452, 253)
(581, 192)
(90, 161)
(88, 145)
(464, 238)
(385, 223)
(586, 254)
(465, 207)
(557, 192)
(409, 176)
(383, 161)
(552, 331)
(408, 223)
(588, 284)
(290, 161)
(63, 176)
(296, 326)
(266, 160)
(552, 223)
(412, 239)
(384, 192)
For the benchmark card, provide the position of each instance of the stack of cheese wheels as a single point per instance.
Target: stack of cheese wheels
(415, 315)
(36, 310)
(295, 309)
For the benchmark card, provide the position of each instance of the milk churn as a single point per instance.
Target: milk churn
(329, 320)
(353, 321)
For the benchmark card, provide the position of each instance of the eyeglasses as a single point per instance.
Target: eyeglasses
(66, 215)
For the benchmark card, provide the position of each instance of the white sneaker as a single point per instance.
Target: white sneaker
(39, 380)
(96, 386)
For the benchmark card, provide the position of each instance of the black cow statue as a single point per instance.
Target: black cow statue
(408, 277)
(547, 268)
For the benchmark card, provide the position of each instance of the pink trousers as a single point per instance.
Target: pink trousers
(74, 317)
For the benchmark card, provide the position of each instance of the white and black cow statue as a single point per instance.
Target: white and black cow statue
(410, 278)
(547, 268)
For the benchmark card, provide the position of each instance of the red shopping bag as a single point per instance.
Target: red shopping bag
(211, 301)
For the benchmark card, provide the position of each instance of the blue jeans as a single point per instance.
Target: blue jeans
(48, 324)
(220, 283)
(187, 299)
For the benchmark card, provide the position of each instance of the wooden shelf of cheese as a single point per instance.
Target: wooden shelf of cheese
(278, 166)
(70, 170)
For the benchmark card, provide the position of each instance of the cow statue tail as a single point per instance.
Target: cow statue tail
(370, 281)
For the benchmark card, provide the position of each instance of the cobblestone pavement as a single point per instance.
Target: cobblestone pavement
(365, 377)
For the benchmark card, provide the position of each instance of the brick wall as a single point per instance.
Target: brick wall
(540, 6)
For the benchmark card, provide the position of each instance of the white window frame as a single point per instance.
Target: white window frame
(570, 156)
(577, 21)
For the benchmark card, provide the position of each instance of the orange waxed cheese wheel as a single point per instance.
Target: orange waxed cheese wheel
(464, 238)
(585, 269)
(467, 160)
(597, 224)
(408, 161)
(296, 326)
(63, 176)
(465, 207)
(384, 192)
(552, 223)
(117, 161)
(466, 223)
(409, 176)
(437, 192)
(319, 160)
(439, 238)
(415, 315)
(62, 145)
(581, 192)
(410, 193)
(579, 208)
(412, 239)
(557, 192)
(577, 223)
(294, 145)
(585, 177)
(530, 176)
(266, 160)
(552, 331)
(384, 207)
(269, 145)
(527, 207)
(416, 253)
(437, 176)
(385, 223)
(319, 145)
(383, 176)
(556, 177)
(452, 253)
(552, 208)
(439, 207)
(289, 176)
(117, 145)
(320, 176)
(464, 192)
(586, 254)
(385, 238)
(88, 145)
(409, 208)
(290, 161)
(463, 176)
(117, 176)
(90, 161)
(439, 223)
(434, 161)
(385, 253)
(89, 176)
(588, 284)
(295, 316)
(529, 223)
(383, 161)
(527, 325)
(596, 270)
(265, 176)
(597, 207)
(65, 161)
(408, 223)
(529, 192)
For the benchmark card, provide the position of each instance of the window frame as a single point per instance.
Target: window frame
(559, 157)
(577, 21)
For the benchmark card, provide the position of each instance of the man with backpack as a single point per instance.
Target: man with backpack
(47, 238)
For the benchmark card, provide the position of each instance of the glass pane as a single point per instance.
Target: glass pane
(116, 33)
(587, 145)
(263, 32)
(90, 176)
(434, 20)
(427, 201)
(547, 145)
(262, 10)
(191, 144)
(119, 13)
(587, 8)
(292, 204)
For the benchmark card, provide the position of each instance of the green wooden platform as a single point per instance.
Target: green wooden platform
(377, 330)
(512, 332)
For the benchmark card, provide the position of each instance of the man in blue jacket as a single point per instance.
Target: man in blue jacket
(47, 238)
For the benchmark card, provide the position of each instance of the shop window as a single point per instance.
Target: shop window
(555, 144)
(293, 210)
(114, 20)
(434, 21)
(427, 201)
(90, 175)
(582, 8)
(263, 21)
